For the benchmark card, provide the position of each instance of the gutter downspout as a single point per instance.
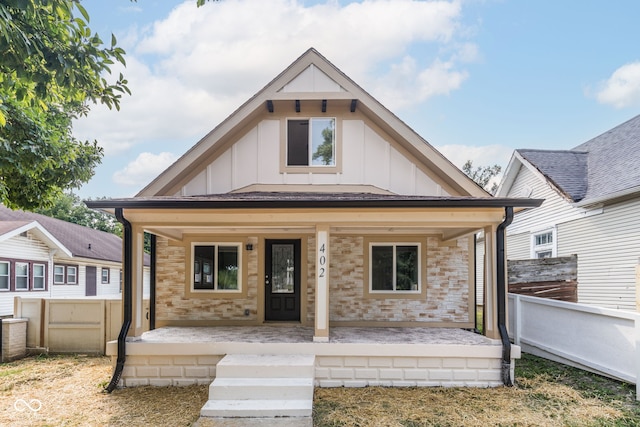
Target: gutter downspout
(126, 302)
(501, 290)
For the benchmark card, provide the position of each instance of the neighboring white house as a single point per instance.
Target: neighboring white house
(47, 257)
(591, 208)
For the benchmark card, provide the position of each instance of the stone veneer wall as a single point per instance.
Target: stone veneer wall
(171, 303)
(447, 276)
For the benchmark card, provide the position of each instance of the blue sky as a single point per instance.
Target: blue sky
(475, 78)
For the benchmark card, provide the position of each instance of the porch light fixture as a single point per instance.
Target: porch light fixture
(249, 246)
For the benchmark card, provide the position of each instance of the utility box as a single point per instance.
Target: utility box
(14, 339)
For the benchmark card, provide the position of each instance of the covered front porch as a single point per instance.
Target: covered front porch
(352, 357)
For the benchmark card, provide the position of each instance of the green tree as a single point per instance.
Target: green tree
(482, 175)
(325, 150)
(69, 207)
(52, 67)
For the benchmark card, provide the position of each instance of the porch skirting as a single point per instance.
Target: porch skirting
(374, 357)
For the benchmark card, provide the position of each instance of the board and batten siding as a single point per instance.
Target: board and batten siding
(608, 249)
(554, 210)
(367, 158)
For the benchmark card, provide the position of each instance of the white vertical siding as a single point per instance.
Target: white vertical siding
(608, 249)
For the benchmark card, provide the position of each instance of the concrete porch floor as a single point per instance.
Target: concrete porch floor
(300, 334)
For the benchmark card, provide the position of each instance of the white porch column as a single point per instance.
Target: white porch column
(321, 333)
(137, 261)
(490, 317)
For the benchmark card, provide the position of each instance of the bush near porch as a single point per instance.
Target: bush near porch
(69, 389)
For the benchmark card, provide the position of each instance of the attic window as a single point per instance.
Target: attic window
(311, 142)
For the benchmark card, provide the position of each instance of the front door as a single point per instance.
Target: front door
(282, 280)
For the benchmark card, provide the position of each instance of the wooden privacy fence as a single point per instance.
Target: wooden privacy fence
(553, 278)
(71, 325)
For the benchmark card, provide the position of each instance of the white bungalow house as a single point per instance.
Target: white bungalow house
(43, 257)
(314, 225)
(591, 209)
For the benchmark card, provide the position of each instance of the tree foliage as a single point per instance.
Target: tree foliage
(52, 67)
(483, 175)
(69, 207)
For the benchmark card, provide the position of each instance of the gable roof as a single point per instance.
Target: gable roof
(566, 170)
(603, 168)
(331, 84)
(77, 240)
(9, 229)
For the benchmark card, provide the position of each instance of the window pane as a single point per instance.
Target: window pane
(382, 268)
(105, 275)
(22, 275)
(544, 254)
(38, 276)
(227, 267)
(298, 143)
(322, 142)
(58, 274)
(4, 275)
(71, 275)
(282, 268)
(406, 268)
(203, 262)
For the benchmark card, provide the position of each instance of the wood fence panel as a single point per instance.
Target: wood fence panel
(552, 278)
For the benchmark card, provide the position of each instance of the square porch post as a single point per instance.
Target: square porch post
(137, 261)
(490, 315)
(321, 332)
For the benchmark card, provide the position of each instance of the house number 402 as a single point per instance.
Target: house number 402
(322, 260)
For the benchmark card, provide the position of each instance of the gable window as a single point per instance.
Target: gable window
(543, 244)
(39, 277)
(217, 267)
(22, 276)
(4, 276)
(104, 275)
(394, 267)
(311, 142)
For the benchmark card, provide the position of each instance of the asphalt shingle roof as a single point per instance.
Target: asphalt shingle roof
(597, 169)
(82, 241)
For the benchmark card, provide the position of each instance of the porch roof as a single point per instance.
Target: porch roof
(305, 200)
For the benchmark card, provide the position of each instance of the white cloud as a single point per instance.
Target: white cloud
(622, 89)
(143, 169)
(192, 69)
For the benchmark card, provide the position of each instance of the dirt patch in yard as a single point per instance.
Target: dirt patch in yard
(69, 392)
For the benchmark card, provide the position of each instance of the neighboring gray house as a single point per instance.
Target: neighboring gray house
(591, 208)
(47, 257)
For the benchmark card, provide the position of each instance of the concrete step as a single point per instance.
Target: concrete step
(261, 388)
(257, 408)
(266, 366)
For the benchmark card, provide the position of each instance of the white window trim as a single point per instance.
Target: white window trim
(395, 291)
(15, 278)
(553, 246)
(310, 152)
(44, 277)
(108, 270)
(8, 289)
(64, 275)
(239, 247)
